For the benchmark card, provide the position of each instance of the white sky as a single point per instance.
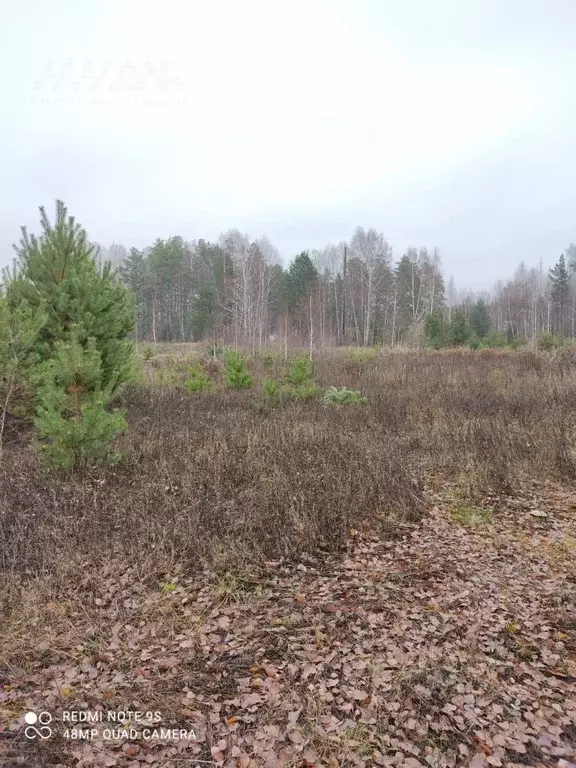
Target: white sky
(448, 123)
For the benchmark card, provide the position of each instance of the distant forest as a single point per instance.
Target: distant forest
(237, 290)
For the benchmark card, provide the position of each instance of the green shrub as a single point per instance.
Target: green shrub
(198, 380)
(547, 342)
(300, 370)
(474, 342)
(495, 340)
(236, 375)
(343, 396)
(518, 341)
(148, 353)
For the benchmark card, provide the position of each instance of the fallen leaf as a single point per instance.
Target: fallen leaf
(130, 749)
(299, 597)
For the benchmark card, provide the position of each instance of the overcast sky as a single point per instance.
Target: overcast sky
(449, 123)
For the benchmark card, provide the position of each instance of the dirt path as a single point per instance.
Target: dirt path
(454, 645)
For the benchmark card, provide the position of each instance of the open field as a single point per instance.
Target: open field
(391, 583)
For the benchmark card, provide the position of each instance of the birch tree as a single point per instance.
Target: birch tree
(374, 255)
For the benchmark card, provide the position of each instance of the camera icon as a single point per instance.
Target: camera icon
(32, 719)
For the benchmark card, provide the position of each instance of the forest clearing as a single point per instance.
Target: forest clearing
(288, 395)
(388, 581)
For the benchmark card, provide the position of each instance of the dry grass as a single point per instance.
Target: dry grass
(214, 479)
(213, 486)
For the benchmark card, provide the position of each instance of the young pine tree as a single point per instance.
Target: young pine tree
(81, 353)
(560, 295)
(435, 330)
(236, 375)
(459, 328)
(480, 319)
(71, 415)
(19, 330)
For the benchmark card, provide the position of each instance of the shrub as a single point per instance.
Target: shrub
(148, 353)
(198, 380)
(236, 375)
(343, 396)
(300, 370)
(474, 342)
(495, 339)
(256, 488)
(518, 341)
(547, 342)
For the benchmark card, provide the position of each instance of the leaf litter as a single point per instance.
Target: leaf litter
(453, 645)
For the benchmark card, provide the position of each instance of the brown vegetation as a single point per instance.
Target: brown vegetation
(216, 493)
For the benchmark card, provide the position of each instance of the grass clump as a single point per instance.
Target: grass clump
(364, 354)
(472, 516)
(343, 396)
(308, 390)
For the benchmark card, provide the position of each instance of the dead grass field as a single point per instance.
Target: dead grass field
(386, 584)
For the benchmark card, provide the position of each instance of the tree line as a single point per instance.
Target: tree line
(236, 290)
